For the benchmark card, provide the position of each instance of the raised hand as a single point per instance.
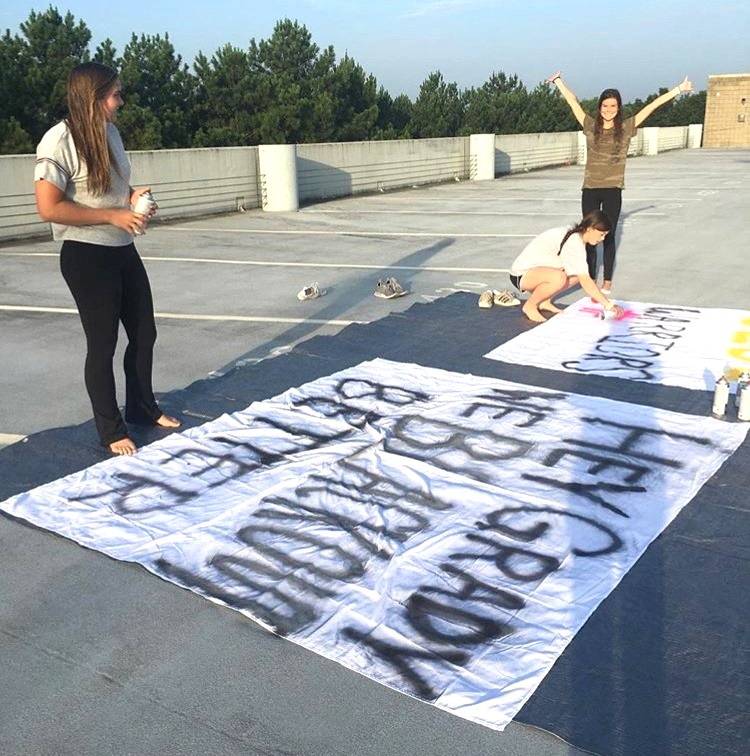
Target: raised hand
(685, 85)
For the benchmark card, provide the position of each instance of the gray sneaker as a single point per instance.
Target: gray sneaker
(384, 289)
(396, 286)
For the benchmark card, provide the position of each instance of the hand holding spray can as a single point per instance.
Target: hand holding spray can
(613, 313)
(143, 205)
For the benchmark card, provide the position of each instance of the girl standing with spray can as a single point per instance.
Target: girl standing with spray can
(82, 185)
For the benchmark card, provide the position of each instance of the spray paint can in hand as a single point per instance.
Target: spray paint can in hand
(721, 397)
(610, 314)
(742, 381)
(143, 205)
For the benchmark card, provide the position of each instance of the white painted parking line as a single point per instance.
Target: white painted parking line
(343, 266)
(309, 232)
(192, 316)
(256, 319)
(26, 308)
(537, 199)
(441, 212)
(6, 439)
(281, 264)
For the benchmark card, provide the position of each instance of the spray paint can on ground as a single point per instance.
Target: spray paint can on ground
(143, 205)
(721, 397)
(743, 401)
(742, 381)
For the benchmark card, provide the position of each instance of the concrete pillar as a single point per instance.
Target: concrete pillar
(277, 165)
(482, 152)
(650, 140)
(582, 150)
(695, 135)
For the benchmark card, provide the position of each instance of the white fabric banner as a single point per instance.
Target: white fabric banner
(672, 345)
(444, 534)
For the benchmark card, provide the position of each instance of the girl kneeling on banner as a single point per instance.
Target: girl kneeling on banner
(556, 260)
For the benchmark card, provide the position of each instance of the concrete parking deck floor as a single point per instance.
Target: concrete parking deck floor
(99, 657)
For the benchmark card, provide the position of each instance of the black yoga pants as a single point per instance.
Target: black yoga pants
(109, 286)
(610, 202)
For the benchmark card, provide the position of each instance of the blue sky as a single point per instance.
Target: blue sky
(636, 46)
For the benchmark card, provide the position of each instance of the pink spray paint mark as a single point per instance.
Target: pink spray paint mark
(597, 311)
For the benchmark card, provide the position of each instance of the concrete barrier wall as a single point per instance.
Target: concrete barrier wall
(185, 183)
(199, 182)
(340, 169)
(672, 138)
(18, 217)
(637, 144)
(526, 152)
(195, 182)
(694, 135)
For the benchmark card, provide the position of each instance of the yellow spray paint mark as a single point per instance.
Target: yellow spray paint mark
(739, 355)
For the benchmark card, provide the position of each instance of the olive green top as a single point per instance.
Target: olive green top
(605, 159)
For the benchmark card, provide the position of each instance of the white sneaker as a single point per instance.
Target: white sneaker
(486, 299)
(310, 292)
(505, 298)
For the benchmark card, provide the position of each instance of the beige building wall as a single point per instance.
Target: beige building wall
(727, 121)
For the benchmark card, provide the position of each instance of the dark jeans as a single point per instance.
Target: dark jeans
(109, 285)
(610, 202)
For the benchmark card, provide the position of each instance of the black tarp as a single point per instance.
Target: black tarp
(661, 666)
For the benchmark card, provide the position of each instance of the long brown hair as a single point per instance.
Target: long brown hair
(608, 94)
(595, 219)
(88, 85)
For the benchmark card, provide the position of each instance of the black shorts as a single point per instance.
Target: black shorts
(516, 280)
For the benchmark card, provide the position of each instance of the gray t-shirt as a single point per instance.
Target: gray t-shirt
(541, 252)
(58, 162)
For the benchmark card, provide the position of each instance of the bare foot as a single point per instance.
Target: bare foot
(533, 314)
(123, 448)
(166, 421)
(549, 307)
